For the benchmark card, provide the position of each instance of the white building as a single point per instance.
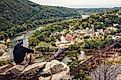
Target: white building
(115, 25)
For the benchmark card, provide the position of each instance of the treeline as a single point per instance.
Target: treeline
(91, 10)
(16, 14)
(95, 10)
(43, 40)
(96, 21)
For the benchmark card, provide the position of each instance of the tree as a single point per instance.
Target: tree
(77, 72)
(105, 72)
(33, 41)
(108, 69)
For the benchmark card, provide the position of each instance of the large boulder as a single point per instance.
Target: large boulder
(53, 70)
(4, 56)
(32, 72)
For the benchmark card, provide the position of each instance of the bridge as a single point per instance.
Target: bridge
(96, 59)
(100, 55)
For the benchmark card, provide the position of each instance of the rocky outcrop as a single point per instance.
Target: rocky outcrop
(4, 56)
(53, 70)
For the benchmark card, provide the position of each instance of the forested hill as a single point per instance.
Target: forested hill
(19, 12)
(91, 10)
(96, 10)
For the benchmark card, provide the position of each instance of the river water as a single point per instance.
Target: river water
(14, 41)
(25, 38)
(85, 16)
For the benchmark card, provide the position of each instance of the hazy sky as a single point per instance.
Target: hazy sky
(80, 3)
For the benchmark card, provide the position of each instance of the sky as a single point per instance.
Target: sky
(80, 3)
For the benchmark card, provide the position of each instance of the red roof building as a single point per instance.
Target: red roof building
(69, 38)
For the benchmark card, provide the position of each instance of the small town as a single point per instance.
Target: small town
(60, 40)
(78, 36)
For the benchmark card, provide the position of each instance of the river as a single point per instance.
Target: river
(25, 37)
(85, 16)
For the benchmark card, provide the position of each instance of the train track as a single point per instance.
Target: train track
(95, 59)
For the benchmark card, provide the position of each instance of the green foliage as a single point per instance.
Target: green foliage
(1, 53)
(48, 32)
(20, 15)
(5, 62)
(74, 47)
(33, 42)
(91, 10)
(44, 34)
(77, 72)
(96, 44)
(45, 47)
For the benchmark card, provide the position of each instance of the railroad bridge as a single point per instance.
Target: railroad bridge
(102, 54)
(95, 60)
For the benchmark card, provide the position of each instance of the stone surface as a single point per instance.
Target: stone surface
(45, 78)
(61, 76)
(3, 52)
(53, 70)
(4, 68)
(5, 56)
(54, 67)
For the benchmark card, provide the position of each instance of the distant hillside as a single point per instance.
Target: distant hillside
(91, 10)
(49, 34)
(95, 10)
(19, 12)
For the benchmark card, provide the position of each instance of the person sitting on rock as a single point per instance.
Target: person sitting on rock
(22, 55)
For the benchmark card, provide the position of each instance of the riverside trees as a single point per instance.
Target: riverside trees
(47, 36)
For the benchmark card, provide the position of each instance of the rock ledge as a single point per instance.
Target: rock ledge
(53, 70)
